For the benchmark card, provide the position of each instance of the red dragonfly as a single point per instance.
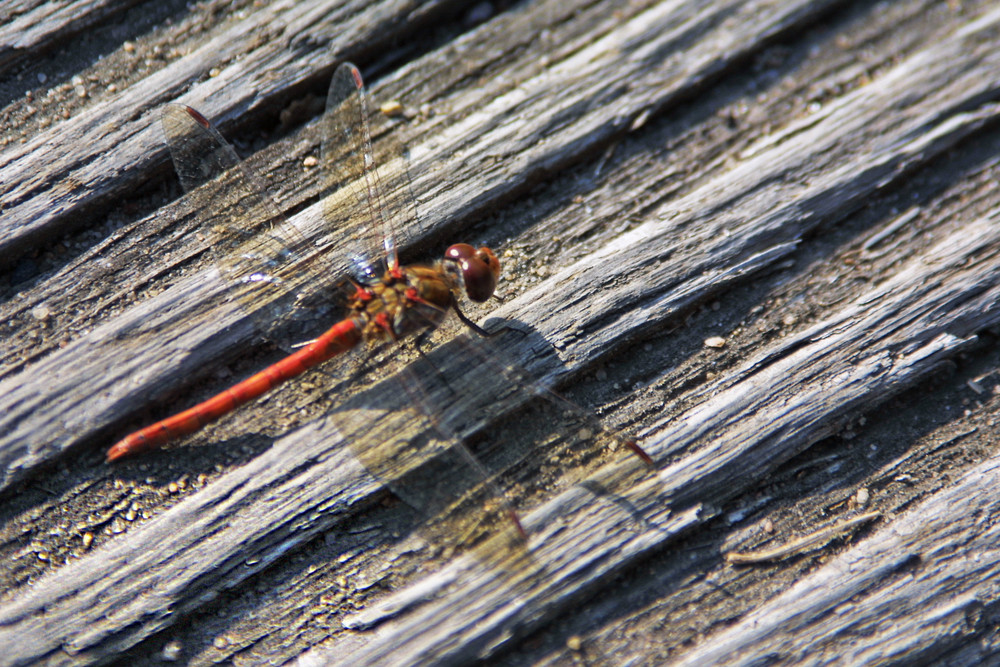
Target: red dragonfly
(389, 302)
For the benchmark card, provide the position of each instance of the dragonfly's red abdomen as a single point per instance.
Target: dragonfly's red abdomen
(338, 339)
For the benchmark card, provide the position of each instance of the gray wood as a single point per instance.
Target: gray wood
(786, 397)
(744, 217)
(49, 434)
(937, 594)
(92, 160)
(34, 30)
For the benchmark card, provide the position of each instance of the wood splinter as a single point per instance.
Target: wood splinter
(804, 544)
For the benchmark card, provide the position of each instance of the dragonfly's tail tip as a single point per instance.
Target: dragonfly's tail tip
(117, 452)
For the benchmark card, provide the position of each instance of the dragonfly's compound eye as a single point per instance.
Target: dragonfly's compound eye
(480, 269)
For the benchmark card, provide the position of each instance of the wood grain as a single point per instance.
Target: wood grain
(26, 30)
(646, 203)
(938, 595)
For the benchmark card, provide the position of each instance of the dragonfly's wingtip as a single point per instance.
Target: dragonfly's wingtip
(521, 532)
(641, 453)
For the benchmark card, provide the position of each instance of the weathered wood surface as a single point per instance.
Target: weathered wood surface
(31, 29)
(939, 596)
(83, 171)
(771, 192)
(72, 375)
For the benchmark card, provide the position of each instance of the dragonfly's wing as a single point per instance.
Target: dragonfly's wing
(269, 264)
(375, 206)
(199, 152)
(463, 434)
(393, 428)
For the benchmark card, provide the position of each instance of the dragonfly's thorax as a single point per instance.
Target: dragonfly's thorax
(404, 301)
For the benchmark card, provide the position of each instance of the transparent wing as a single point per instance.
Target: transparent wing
(357, 191)
(269, 265)
(467, 437)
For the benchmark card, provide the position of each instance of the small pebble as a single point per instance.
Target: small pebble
(392, 108)
(171, 651)
(310, 162)
(862, 497)
(715, 341)
(574, 643)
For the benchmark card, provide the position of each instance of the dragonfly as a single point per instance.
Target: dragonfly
(260, 252)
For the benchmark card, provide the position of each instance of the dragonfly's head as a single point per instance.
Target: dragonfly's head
(480, 269)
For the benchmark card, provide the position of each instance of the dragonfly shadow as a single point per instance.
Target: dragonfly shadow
(465, 434)
(190, 458)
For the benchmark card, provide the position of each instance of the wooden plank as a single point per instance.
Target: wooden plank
(91, 366)
(90, 154)
(739, 218)
(37, 29)
(937, 593)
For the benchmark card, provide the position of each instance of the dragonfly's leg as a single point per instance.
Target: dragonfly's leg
(469, 323)
(481, 331)
(420, 340)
